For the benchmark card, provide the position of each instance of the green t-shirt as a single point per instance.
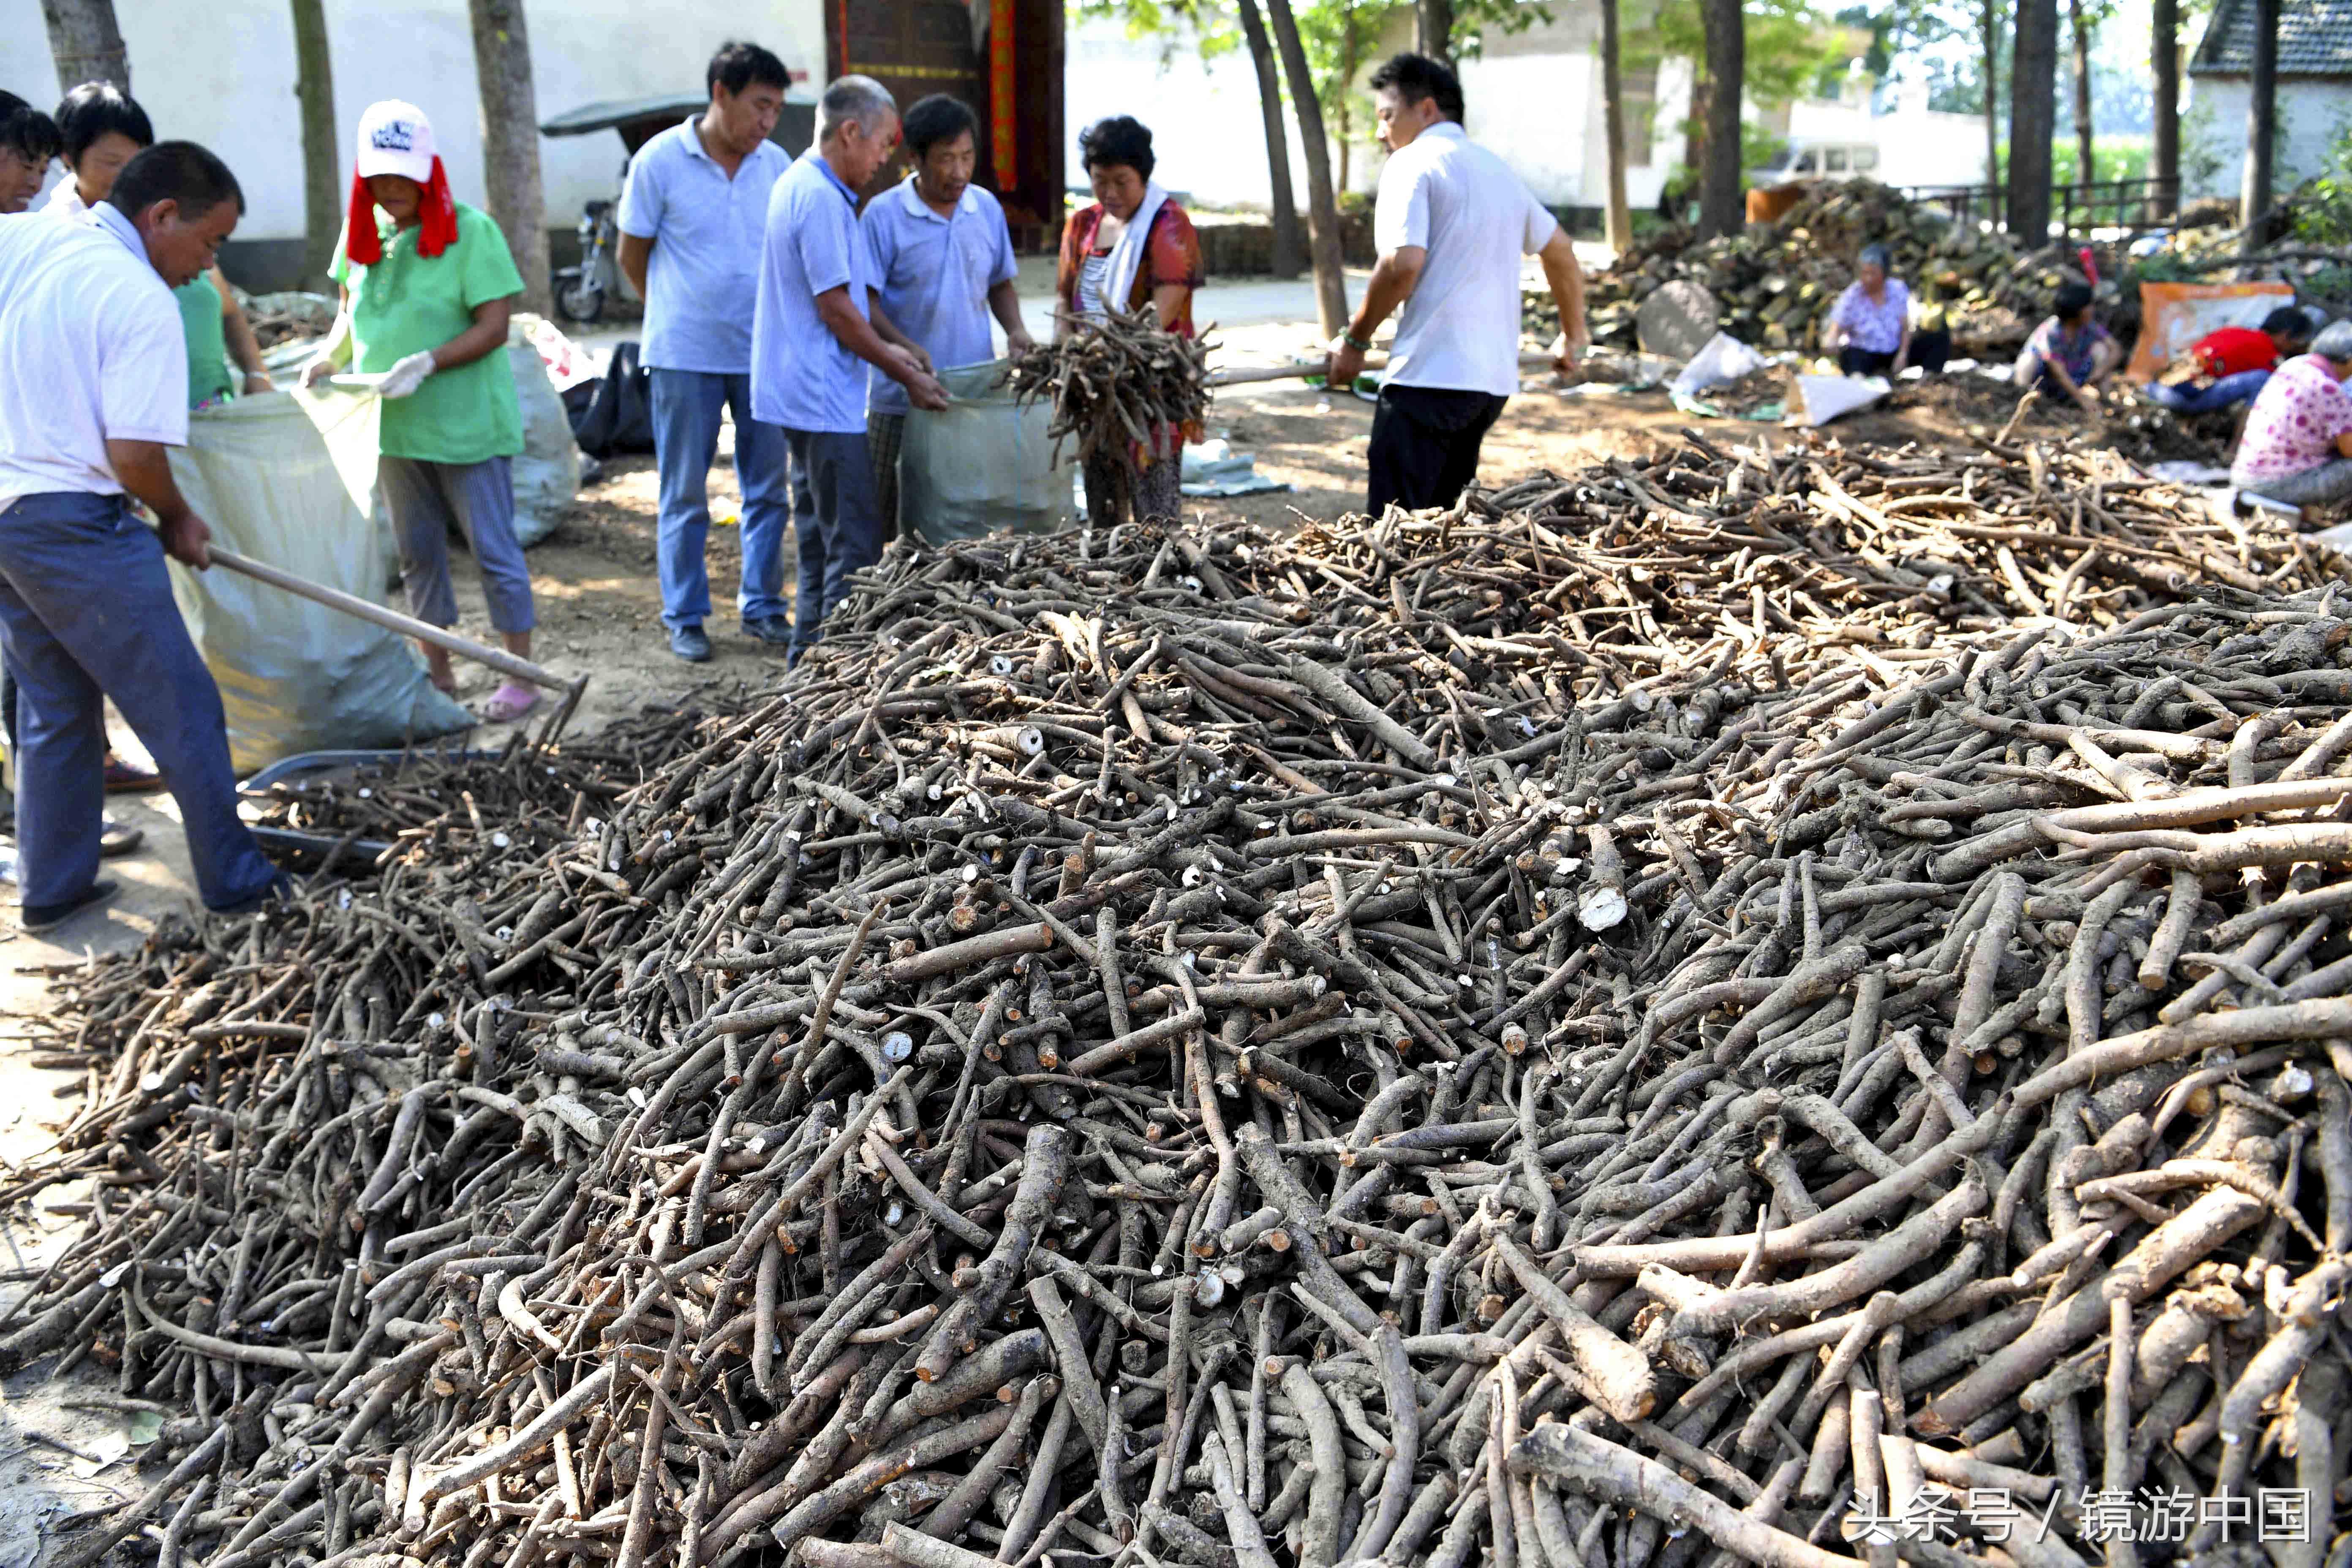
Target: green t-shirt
(200, 319)
(407, 304)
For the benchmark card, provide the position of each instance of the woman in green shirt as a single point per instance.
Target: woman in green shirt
(428, 284)
(103, 128)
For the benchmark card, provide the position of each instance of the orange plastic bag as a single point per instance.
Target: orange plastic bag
(2172, 316)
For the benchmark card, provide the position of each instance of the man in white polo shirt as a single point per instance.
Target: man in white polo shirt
(1452, 223)
(93, 389)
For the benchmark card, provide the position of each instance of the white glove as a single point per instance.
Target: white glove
(403, 379)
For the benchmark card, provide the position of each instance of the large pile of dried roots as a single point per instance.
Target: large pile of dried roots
(1119, 382)
(1645, 1017)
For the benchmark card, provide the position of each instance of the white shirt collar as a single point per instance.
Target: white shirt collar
(110, 218)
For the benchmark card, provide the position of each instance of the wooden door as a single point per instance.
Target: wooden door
(915, 48)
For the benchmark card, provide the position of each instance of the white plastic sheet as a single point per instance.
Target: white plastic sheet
(2338, 539)
(984, 465)
(1828, 397)
(1722, 359)
(1212, 468)
(285, 477)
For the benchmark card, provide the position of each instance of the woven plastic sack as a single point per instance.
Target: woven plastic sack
(984, 465)
(285, 477)
(547, 473)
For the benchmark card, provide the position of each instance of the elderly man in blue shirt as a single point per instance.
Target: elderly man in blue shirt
(813, 332)
(943, 264)
(691, 221)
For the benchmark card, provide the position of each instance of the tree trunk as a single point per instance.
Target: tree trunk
(314, 86)
(1612, 119)
(1284, 203)
(1722, 201)
(510, 140)
(1322, 205)
(2087, 168)
(1990, 31)
(2262, 123)
(1352, 56)
(1695, 122)
(2164, 26)
(2032, 112)
(1432, 30)
(86, 44)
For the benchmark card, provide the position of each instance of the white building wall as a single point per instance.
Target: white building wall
(223, 74)
(1916, 145)
(1919, 146)
(2213, 131)
(1542, 114)
(1527, 108)
(1208, 136)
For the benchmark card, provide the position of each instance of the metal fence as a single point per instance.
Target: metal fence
(1967, 204)
(2086, 205)
(2116, 204)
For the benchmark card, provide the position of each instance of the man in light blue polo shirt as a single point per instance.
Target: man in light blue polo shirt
(691, 221)
(814, 331)
(942, 264)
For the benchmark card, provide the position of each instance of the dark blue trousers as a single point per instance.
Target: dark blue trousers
(86, 614)
(2223, 391)
(836, 523)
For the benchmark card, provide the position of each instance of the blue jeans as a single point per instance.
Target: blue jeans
(86, 614)
(686, 408)
(835, 521)
(2227, 392)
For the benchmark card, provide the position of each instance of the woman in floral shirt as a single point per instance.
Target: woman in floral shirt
(2298, 443)
(1870, 325)
(1133, 247)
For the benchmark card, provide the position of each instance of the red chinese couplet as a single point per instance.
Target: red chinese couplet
(1002, 121)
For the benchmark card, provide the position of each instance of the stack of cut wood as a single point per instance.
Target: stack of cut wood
(1777, 282)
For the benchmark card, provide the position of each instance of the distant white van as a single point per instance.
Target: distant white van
(1818, 161)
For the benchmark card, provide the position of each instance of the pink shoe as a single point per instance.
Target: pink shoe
(510, 702)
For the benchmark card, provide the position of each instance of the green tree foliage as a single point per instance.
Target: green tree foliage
(1212, 29)
(1789, 47)
(2119, 158)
